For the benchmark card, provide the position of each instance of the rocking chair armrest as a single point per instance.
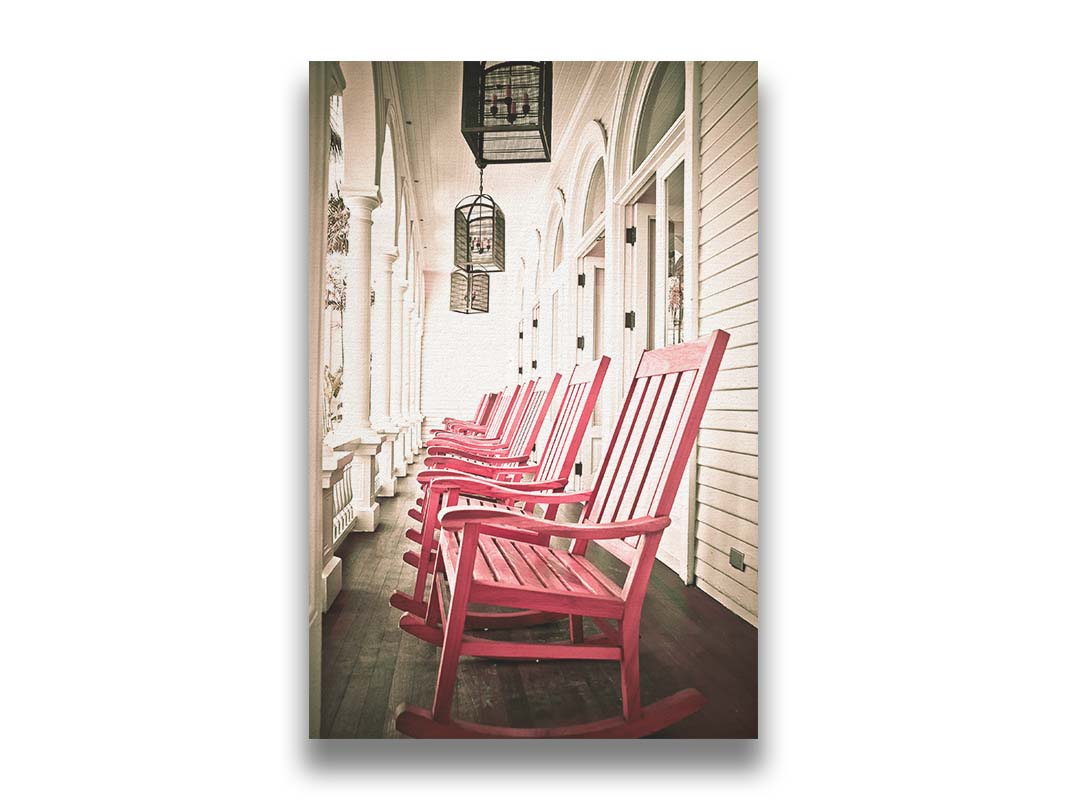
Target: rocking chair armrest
(487, 485)
(463, 440)
(445, 437)
(449, 430)
(457, 421)
(483, 447)
(467, 427)
(509, 524)
(460, 466)
(485, 458)
(542, 492)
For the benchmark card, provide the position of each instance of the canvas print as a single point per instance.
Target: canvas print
(533, 394)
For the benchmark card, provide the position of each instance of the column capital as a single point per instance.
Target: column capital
(387, 258)
(361, 202)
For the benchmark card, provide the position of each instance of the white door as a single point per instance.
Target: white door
(654, 272)
(590, 319)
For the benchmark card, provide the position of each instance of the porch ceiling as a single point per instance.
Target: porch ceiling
(444, 166)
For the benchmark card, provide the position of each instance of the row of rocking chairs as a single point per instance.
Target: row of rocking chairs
(487, 517)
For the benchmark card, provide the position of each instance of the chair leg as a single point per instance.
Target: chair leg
(435, 605)
(631, 671)
(577, 630)
(454, 623)
(429, 524)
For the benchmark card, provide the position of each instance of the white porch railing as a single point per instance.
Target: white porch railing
(344, 510)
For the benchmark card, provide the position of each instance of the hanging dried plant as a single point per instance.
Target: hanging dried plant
(332, 390)
(336, 286)
(337, 226)
(336, 146)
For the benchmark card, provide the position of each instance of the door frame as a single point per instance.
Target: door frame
(680, 145)
(584, 325)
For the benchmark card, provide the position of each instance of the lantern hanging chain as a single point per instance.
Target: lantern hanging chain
(481, 177)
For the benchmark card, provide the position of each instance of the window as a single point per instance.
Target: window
(557, 251)
(675, 255)
(594, 197)
(664, 103)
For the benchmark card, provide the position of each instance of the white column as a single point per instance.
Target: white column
(409, 337)
(381, 369)
(396, 397)
(355, 433)
(416, 383)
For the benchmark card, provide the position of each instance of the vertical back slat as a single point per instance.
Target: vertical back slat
(554, 452)
(653, 445)
(671, 430)
(630, 453)
(610, 471)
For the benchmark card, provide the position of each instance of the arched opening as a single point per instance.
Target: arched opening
(595, 197)
(335, 284)
(383, 242)
(663, 104)
(557, 248)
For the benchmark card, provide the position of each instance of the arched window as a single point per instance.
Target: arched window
(594, 197)
(664, 103)
(557, 251)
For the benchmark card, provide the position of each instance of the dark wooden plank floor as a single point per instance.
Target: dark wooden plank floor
(370, 666)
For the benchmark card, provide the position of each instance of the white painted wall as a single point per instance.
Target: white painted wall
(465, 355)
(728, 448)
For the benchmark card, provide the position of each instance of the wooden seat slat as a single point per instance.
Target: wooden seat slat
(502, 570)
(545, 576)
(482, 572)
(531, 567)
(524, 576)
(561, 571)
(594, 580)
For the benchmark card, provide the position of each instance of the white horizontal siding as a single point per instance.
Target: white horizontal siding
(728, 292)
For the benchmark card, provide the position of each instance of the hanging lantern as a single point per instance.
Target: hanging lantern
(507, 111)
(469, 292)
(479, 233)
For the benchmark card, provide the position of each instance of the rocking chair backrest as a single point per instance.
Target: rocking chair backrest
(483, 405)
(499, 416)
(572, 418)
(534, 416)
(654, 437)
(523, 394)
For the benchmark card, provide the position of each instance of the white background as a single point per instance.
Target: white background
(912, 170)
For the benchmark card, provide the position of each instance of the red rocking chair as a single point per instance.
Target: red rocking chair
(551, 474)
(518, 452)
(500, 556)
(497, 427)
(481, 414)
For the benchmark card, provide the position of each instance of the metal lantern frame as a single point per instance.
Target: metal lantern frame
(479, 233)
(469, 292)
(507, 111)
